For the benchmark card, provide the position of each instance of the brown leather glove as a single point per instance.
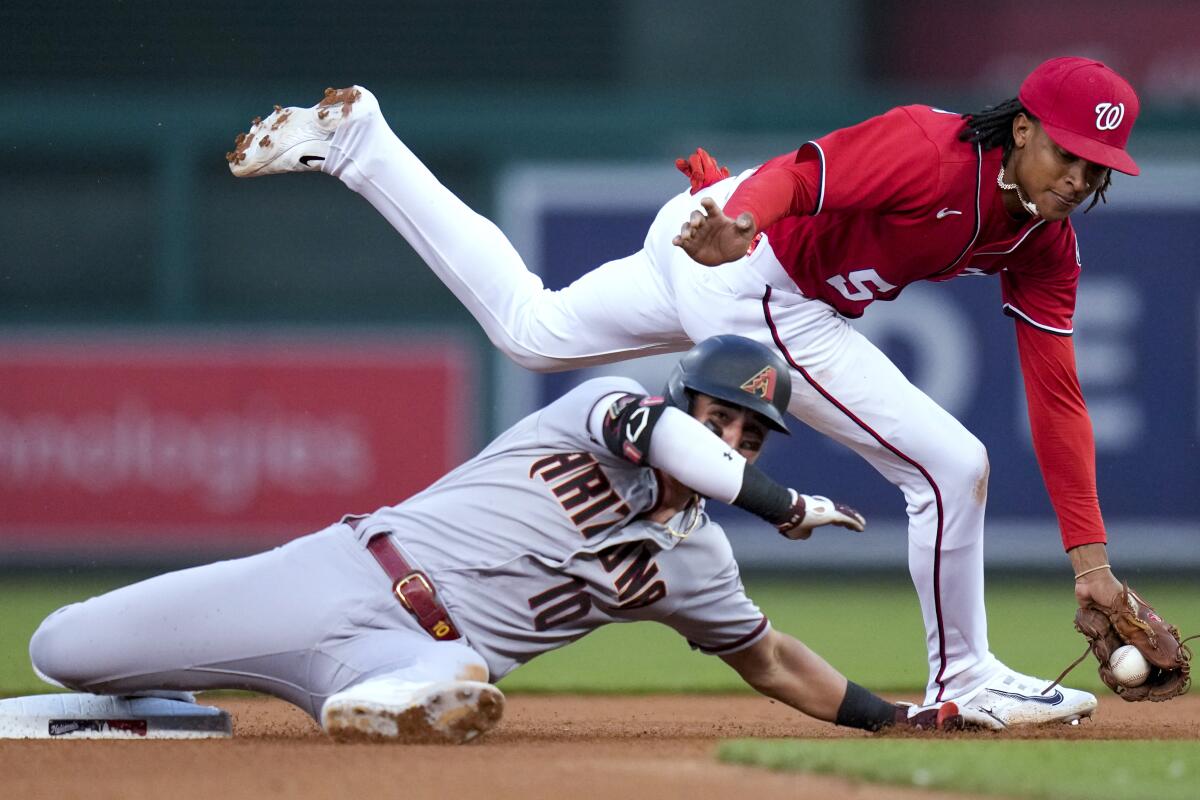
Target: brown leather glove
(1131, 620)
(701, 169)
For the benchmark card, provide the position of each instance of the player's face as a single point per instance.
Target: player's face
(1055, 180)
(738, 427)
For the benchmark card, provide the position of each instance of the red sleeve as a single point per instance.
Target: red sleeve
(1062, 433)
(1039, 288)
(886, 163)
(781, 188)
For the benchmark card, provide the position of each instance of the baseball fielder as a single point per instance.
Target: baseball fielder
(783, 254)
(394, 624)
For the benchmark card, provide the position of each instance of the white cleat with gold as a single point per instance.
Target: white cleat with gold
(388, 709)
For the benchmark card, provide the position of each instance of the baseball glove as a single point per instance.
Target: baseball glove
(1131, 620)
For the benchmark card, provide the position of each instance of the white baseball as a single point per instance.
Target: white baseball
(1129, 667)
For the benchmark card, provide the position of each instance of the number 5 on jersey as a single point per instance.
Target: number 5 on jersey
(861, 280)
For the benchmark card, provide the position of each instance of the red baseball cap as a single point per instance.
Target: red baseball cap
(1085, 107)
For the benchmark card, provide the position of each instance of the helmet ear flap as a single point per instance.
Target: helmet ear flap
(691, 400)
(676, 391)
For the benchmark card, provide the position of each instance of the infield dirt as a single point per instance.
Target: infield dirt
(548, 746)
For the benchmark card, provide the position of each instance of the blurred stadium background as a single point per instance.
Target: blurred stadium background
(194, 367)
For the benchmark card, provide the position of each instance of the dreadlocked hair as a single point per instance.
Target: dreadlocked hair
(992, 127)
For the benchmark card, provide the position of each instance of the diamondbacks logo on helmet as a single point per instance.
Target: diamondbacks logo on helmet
(762, 384)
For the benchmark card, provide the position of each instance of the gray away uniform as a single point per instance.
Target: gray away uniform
(531, 545)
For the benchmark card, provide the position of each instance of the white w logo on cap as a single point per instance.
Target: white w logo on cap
(1109, 116)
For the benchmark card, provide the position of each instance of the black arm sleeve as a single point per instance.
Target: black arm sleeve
(763, 496)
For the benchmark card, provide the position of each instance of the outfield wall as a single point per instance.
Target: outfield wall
(168, 445)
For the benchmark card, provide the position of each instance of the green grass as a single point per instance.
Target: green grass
(868, 628)
(1026, 769)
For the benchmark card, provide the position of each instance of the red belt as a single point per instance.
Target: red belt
(412, 588)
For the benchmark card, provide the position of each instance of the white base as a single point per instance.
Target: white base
(90, 716)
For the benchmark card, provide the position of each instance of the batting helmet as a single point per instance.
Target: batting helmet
(737, 370)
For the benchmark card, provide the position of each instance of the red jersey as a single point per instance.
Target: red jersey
(898, 199)
(859, 214)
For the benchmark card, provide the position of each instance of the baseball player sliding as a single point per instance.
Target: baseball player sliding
(784, 254)
(394, 624)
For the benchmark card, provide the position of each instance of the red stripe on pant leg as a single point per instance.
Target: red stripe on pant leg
(937, 495)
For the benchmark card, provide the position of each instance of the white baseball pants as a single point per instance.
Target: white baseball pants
(659, 300)
(299, 622)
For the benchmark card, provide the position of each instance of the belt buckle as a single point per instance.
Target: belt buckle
(412, 576)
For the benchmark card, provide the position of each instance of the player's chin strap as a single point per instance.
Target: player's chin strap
(1183, 648)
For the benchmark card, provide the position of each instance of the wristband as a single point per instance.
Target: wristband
(1093, 569)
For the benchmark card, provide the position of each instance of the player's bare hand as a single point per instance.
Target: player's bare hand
(1095, 582)
(1099, 588)
(812, 511)
(711, 238)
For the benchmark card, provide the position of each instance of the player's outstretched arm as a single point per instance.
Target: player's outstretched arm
(785, 669)
(711, 238)
(679, 445)
(709, 466)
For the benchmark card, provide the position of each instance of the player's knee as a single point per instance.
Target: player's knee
(452, 661)
(56, 649)
(472, 667)
(527, 359)
(980, 488)
(516, 343)
(966, 473)
(533, 335)
(523, 350)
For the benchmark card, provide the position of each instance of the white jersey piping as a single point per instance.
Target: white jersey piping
(1015, 246)
(1009, 308)
(821, 194)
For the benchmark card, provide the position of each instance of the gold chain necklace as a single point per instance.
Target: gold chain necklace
(690, 522)
(1029, 206)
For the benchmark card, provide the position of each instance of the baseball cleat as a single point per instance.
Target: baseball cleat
(1009, 699)
(942, 717)
(386, 709)
(93, 716)
(296, 139)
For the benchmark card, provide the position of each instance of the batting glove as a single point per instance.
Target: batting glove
(812, 511)
(701, 169)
